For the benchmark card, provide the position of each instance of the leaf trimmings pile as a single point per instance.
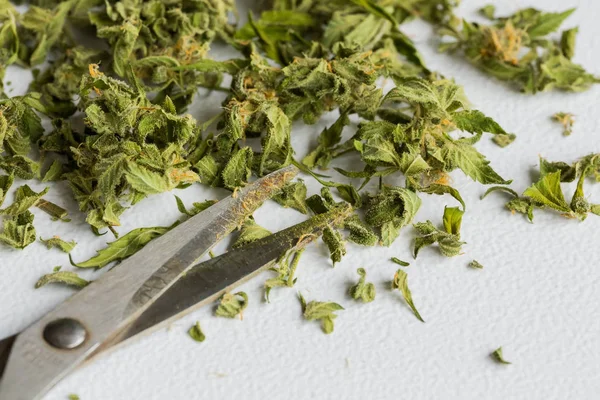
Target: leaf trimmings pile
(518, 48)
(118, 131)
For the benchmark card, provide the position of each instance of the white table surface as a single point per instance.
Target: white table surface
(538, 295)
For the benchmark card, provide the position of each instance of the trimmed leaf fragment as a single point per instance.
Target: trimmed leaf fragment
(400, 282)
(25, 198)
(286, 271)
(566, 120)
(498, 356)
(19, 231)
(448, 240)
(503, 139)
(57, 242)
(196, 333)
(363, 290)
(250, 232)
(400, 262)
(232, 304)
(65, 277)
(123, 247)
(320, 311)
(475, 264)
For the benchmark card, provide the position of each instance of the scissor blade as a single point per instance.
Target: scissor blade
(207, 281)
(5, 347)
(115, 300)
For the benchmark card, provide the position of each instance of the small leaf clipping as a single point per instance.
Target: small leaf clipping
(196, 333)
(57, 242)
(400, 282)
(232, 305)
(64, 277)
(363, 290)
(320, 311)
(498, 356)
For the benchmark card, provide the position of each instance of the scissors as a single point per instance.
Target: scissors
(159, 283)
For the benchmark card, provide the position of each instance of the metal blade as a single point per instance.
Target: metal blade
(207, 281)
(5, 347)
(115, 300)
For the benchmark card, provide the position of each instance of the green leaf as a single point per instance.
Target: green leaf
(123, 247)
(363, 290)
(6, 182)
(237, 170)
(64, 277)
(474, 121)
(146, 181)
(293, 195)
(57, 242)
(439, 189)
(547, 191)
(400, 282)
(196, 333)
(475, 264)
(232, 305)
(25, 198)
(567, 42)
(488, 11)
(462, 155)
(548, 23)
(504, 140)
(19, 231)
(453, 220)
(320, 311)
(208, 170)
(400, 262)
(286, 271)
(54, 173)
(250, 232)
(449, 243)
(498, 356)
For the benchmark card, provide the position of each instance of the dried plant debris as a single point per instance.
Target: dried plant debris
(520, 49)
(499, 357)
(110, 121)
(196, 333)
(566, 120)
(363, 290)
(65, 277)
(400, 282)
(320, 311)
(232, 304)
(547, 192)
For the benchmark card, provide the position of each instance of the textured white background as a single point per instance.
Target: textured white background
(537, 296)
